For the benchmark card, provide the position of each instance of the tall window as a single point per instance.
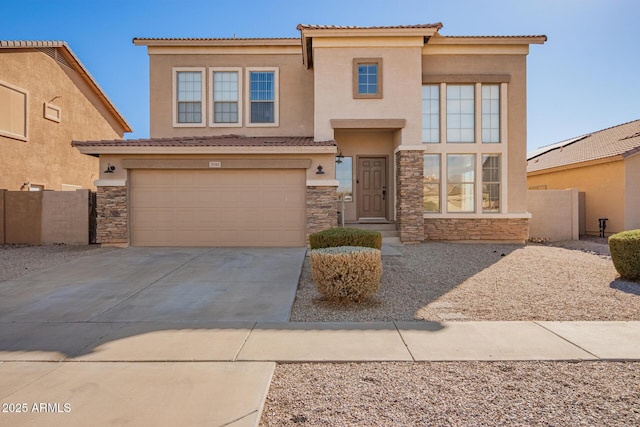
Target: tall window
(431, 179)
(490, 183)
(226, 87)
(188, 92)
(367, 78)
(460, 182)
(262, 97)
(460, 113)
(13, 112)
(431, 113)
(490, 113)
(344, 175)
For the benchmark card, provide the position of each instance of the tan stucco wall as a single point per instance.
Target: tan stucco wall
(354, 143)
(604, 186)
(47, 157)
(401, 82)
(554, 214)
(632, 193)
(295, 91)
(65, 217)
(515, 67)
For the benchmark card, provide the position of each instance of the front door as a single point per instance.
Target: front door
(372, 187)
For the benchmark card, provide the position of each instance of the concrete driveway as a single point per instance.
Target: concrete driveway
(155, 311)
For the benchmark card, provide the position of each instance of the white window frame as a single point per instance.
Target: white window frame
(12, 135)
(212, 71)
(276, 95)
(174, 97)
(478, 148)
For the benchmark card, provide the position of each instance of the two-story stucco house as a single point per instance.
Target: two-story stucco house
(253, 141)
(47, 99)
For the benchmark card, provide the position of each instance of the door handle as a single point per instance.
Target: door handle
(384, 194)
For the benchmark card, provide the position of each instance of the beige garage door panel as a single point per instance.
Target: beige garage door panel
(218, 207)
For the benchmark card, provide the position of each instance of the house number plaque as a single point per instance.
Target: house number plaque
(215, 164)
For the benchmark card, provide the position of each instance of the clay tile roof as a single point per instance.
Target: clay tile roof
(211, 141)
(622, 140)
(437, 25)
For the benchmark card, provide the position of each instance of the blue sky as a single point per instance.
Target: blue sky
(585, 78)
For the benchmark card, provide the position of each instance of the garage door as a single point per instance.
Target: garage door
(232, 207)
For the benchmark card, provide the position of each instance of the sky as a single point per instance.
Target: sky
(583, 79)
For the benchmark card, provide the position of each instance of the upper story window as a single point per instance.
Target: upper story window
(263, 96)
(367, 78)
(460, 113)
(226, 87)
(188, 93)
(460, 117)
(13, 112)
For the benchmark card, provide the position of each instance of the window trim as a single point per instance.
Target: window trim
(174, 97)
(276, 95)
(361, 61)
(212, 71)
(12, 135)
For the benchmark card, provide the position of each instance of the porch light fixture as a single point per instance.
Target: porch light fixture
(339, 157)
(319, 171)
(110, 168)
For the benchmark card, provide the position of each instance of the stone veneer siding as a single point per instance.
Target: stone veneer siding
(410, 194)
(322, 209)
(512, 229)
(111, 209)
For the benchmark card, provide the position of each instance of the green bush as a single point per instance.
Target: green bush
(346, 272)
(344, 236)
(625, 253)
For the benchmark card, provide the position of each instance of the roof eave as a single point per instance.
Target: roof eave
(182, 42)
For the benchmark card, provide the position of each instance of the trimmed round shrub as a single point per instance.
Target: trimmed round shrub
(346, 272)
(345, 236)
(625, 253)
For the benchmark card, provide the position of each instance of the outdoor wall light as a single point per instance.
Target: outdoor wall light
(110, 168)
(319, 171)
(339, 157)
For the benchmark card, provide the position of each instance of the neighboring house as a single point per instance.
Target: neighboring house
(253, 140)
(47, 99)
(605, 165)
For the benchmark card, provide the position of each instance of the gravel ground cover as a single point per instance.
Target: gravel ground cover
(18, 260)
(455, 394)
(439, 281)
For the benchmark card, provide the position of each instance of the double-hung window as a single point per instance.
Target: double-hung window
(188, 97)
(262, 104)
(226, 89)
(490, 183)
(13, 112)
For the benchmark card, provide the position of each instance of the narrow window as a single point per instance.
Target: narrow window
(431, 113)
(490, 183)
(431, 180)
(367, 78)
(226, 98)
(13, 112)
(460, 113)
(189, 97)
(344, 175)
(460, 182)
(490, 113)
(262, 96)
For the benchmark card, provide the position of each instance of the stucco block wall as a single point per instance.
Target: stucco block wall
(295, 93)
(632, 193)
(111, 208)
(409, 188)
(508, 229)
(554, 214)
(23, 217)
(604, 188)
(65, 217)
(47, 157)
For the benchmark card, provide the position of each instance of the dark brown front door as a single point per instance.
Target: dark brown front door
(372, 187)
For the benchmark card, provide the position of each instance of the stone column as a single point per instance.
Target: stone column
(322, 208)
(410, 195)
(111, 209)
